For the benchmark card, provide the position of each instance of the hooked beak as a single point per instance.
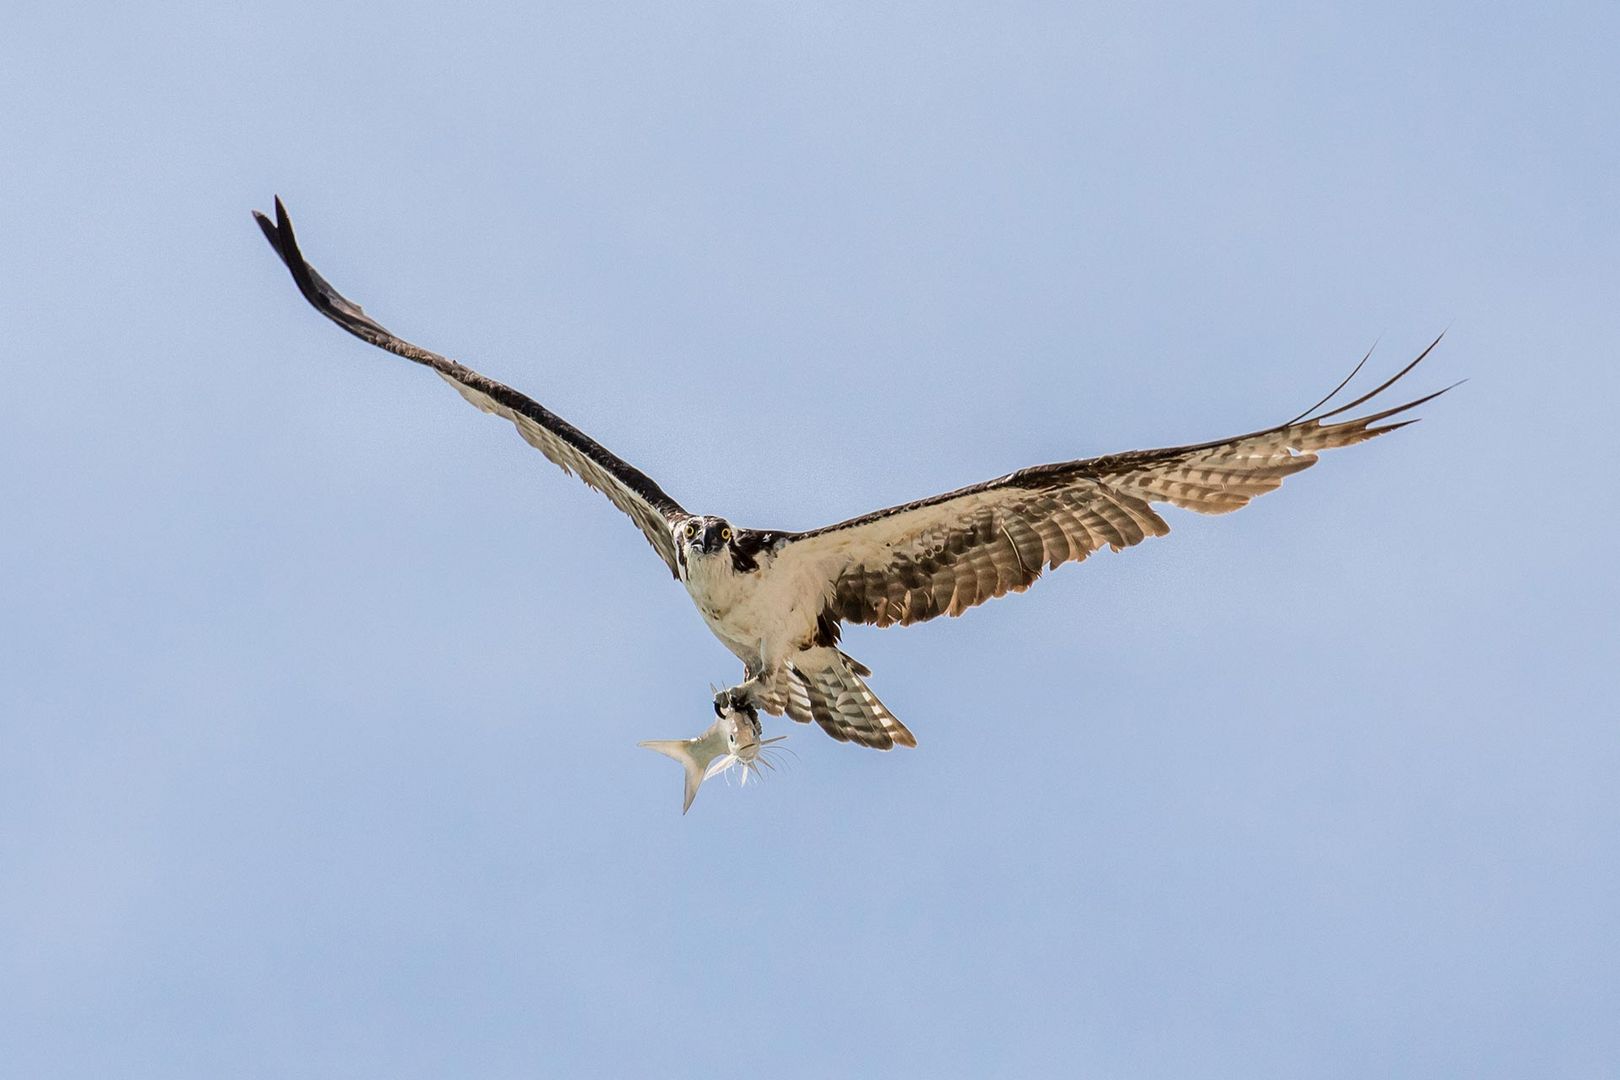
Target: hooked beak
(709, 539)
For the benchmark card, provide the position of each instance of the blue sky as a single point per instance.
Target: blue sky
(319, 691)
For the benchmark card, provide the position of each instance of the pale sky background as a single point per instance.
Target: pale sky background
(319, 691)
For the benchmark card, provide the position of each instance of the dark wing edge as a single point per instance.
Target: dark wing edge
(943, 555)
(576, 453)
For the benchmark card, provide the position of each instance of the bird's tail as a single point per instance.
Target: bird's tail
(825, 685)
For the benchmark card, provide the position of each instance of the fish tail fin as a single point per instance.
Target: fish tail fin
(681, 751)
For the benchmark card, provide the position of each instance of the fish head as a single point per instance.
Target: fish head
(742, 731)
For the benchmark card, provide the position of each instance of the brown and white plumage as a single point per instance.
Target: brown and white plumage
(828, 686)
(627, 487)
(943, 555)
(778, 599)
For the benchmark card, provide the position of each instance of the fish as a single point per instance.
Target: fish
(733, 740)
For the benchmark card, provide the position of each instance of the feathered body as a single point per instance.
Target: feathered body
(731, 577)
(778, 599)
(772, 616)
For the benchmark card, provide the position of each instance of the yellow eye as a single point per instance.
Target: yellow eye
(725, 534)
(691, 530)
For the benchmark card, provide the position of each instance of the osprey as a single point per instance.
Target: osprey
(778, 599)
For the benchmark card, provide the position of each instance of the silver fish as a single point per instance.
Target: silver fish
(732, 740)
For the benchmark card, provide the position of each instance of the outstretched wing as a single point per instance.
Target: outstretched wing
(626, 487)
(943, 555)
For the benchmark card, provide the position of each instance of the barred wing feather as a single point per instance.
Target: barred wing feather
(576, 453)
(943, 555)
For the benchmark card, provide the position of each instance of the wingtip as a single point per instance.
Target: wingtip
(285, 241)
(272, 234)
(281, 215)
(1385, 385)
(265, 226)
(1342, 384)
(284, 226)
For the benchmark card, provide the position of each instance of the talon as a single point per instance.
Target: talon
(739, 698)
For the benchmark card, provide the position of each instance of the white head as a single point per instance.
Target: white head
(704, 535)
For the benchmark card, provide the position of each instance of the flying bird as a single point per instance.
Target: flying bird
(778, 599)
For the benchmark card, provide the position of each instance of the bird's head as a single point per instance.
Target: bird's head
(705, 535)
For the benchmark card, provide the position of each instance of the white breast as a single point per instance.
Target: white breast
(752, 614)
